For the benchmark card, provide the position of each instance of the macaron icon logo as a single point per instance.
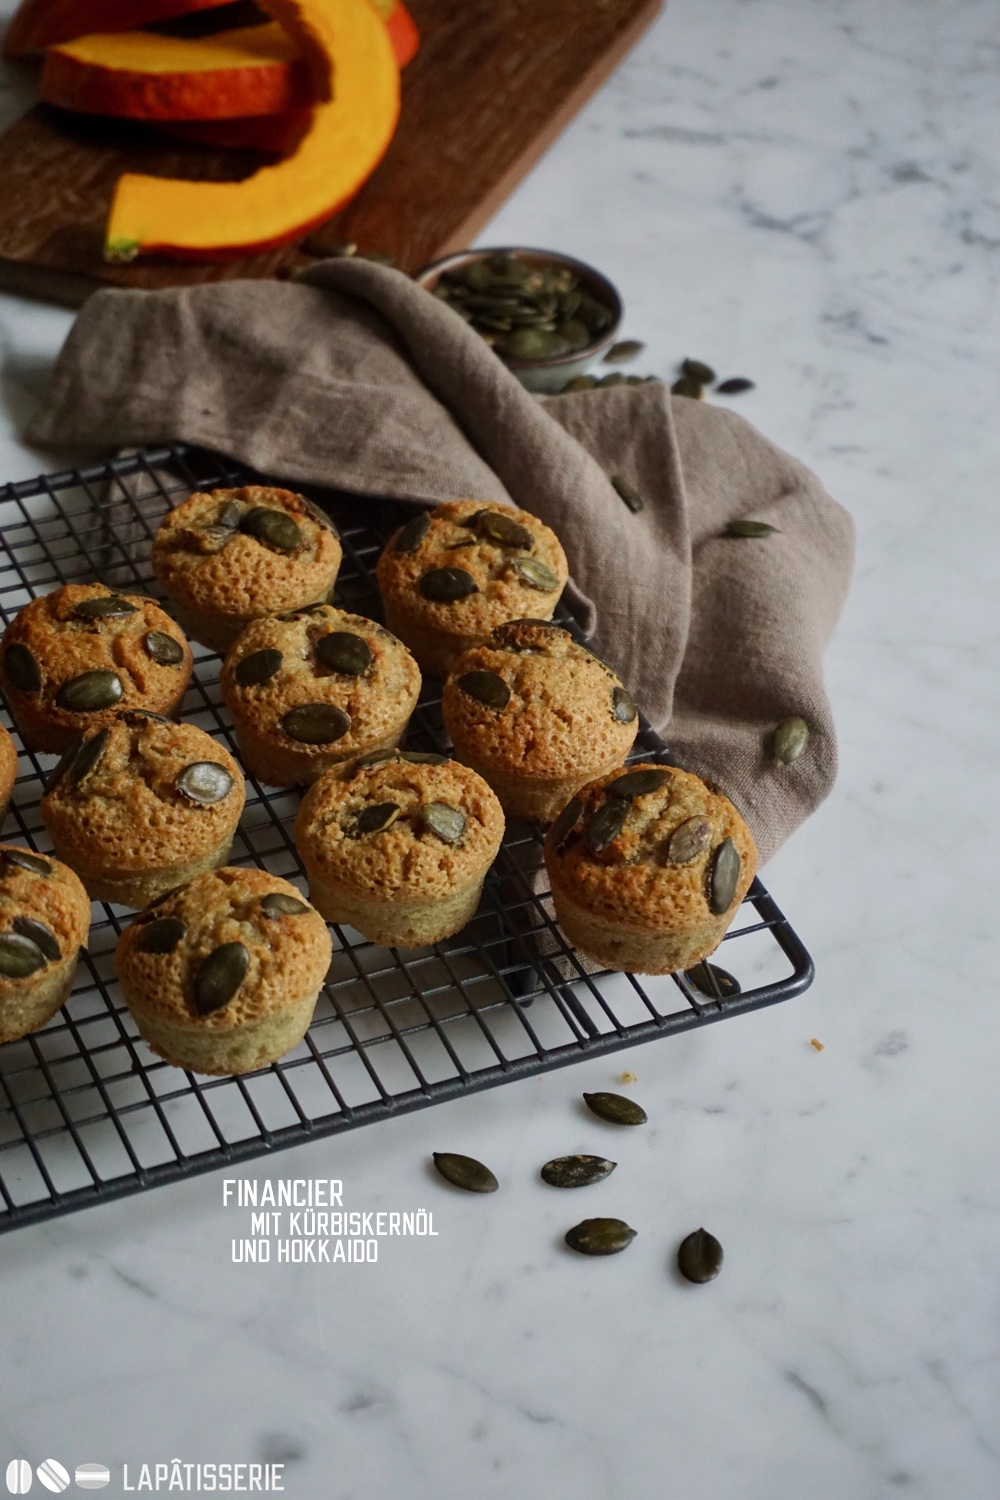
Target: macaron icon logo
(92, 1476)
(19, 1476)
(52, 1474)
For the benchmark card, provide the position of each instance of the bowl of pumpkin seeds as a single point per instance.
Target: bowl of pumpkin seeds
(546, 315)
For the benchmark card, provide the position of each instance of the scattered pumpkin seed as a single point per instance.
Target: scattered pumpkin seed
(374, 819)
(41, 935)
(576, 1171)
(617, 378)
(565, 823)
(687, 386)
(25, 860)
(163, 649)
(494, 526)
(19, 956)
(735, 386)
(600, 1236)
(790, 740)
(616, 1108)
(486, 688)
(465, 1172)
(422, 757)
(750, 528)
(104, 607)
(636, 783)
(606, 824)
(90, 692)
(702, 976)
(161, 936)
(699, 1257)
(276, 904)
(623, 706)
(623, 351)
(344, 651)
(275, 528)
(445, 585)
(447, 822)
(579, 383)
(219, 977)
(696, 369)
(205, 782)
(88, 754)
(724, 877)
(257, 668)
(631, 496)
(22, 668)
(536, 573)
(688, 840)
(316, 723)
(409, 537)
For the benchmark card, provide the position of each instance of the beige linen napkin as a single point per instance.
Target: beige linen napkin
(353, 377)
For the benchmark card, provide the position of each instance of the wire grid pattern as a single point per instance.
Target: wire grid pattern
(87, 1111)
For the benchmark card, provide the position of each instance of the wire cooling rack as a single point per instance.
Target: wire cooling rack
(87, 1112)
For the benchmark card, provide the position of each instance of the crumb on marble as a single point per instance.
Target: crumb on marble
(629, 1078)
(816, 1045)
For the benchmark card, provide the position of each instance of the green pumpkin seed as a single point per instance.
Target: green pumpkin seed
(504, 530)
(724, 877)
(699, 1257)
(90, 692)
(790, 740)
(631, 496)
(62, 765)
(374, 819)
(617, 378)
(576, 334)
(89, 753)
(623, 351)
(219, 977)
(698, 370)
(316, 723)
(104, 607)
(163, 649)
(576, 1171)
(606, 824)
(465, 1172)
(533, 343)
(447, 822)
(636, 783)
(688, 840)
(230, 515)
(579, 383)
(622, 706)
(468, 541)
(486, 688)
(593, 314)
(565, 823)
(205, 782)
(422, 757)
(23, 859)
(22, 668)
(19, 956)
(42, 936)
(750, 528)
(687, 386)
(535, 573)
(600, 1236)
(409, 537)
(212, 537)
(616, 1108)
(275, 528)
(705, 977)
(276, 904)
(161, 936)
(376, 758)
(735, 386)
(445, 585)
(343, 651)
(137, 717)
(257, 668)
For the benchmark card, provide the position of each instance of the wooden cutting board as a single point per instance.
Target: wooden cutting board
(493, 84)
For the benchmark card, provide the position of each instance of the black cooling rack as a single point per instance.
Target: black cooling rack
(87, 1112)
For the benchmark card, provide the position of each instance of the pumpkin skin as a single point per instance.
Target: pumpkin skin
(37, 24)
(346, 138)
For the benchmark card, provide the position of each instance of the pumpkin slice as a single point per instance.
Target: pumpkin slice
(346, 139)
(403, 31)
(37, 24)
(141, 75)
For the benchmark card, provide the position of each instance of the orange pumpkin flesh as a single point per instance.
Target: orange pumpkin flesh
(37, 24)
(346, 139)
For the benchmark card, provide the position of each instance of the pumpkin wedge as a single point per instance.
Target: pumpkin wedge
(37, 24)
(141, 75)
(347, 137)
(403, 31)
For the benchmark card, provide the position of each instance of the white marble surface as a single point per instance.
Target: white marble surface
(804, 191)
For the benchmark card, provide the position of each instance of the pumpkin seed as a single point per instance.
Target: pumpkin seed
(536, 573)
(374, 819)
(579, 383)
(622, 706)
(42, 936)
(409, 537)
(104, 607)
(136, 717)
(735, 386)
(212, 537)
(623, 351)
(276, 904)
(316, 723)
(447, 822)
(698, 370)
(724, 877)
(790, 740)
(219, 977)
(631, 496)
(19, 956)
(699, 1256)
(616, 1108)
(576, 334)
(161, 936)
(25, 860)
(468, 541)
(205, 782)
(422, 757)
(576, 1171)
(689, 387)
(230, 515)
(89, 753)
(496, 527)
(606, 824)
(275, 528)
(90, 692)
(343, 651)
(163, 649)
(257, 668)
(565, 823)
(465, 1172)
(600, 1236)
(702, 976)
(22, 668)
(376, 758)
(750, 528)
(448, 584)
(688, 840)
(636, 783)
(617, 378)
(486, 688)
(62, 765)
(533, 343)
